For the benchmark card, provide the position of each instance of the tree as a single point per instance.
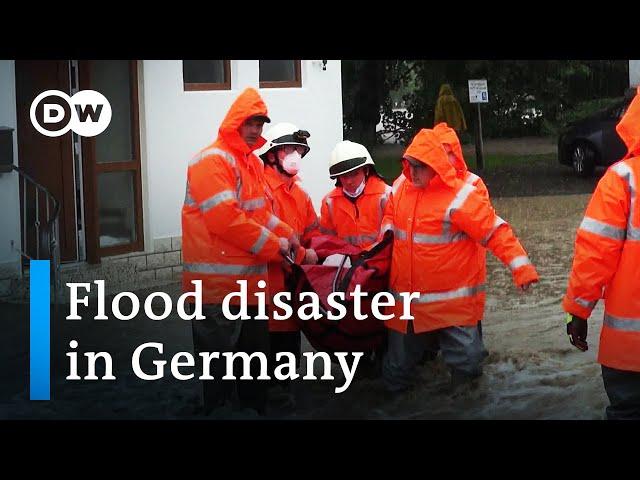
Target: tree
(363, 93)
(526, 97)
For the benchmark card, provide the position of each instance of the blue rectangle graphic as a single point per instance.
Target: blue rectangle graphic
(39, 332)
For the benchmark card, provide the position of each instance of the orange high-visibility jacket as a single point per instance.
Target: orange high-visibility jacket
(439, 231)
(229, 232)
(357, 223)
(607, 254)
(292, 204)
(448, 135)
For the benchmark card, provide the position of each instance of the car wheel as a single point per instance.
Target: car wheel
(583, 159)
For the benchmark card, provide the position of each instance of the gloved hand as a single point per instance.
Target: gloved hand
(284, 245)
(577, 331)
(298, 255)
(294, 241)
(311, 257)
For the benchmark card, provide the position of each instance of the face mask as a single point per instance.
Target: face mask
(291, 163)
(358, 191)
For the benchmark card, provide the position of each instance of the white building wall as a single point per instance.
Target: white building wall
(176, 124)
(634, 73)
(9, 190)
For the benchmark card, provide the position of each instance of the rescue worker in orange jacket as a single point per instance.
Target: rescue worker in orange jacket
(605, 265)
(440, 223)
(453, 148)
(230, 233)
(285, 147)
(353, 210)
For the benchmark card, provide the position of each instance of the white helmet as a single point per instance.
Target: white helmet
(347, 156)
(283, 134)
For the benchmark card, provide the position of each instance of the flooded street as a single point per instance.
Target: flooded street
(531, 372)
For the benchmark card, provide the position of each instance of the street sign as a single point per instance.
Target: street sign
(478, 91)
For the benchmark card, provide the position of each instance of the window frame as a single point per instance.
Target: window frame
(91, 169)
(297, 83)
(205, 86)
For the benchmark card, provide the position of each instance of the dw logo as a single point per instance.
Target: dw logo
(54, 113)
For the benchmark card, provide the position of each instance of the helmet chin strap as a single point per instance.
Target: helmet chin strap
(278, 167)
(282, 170)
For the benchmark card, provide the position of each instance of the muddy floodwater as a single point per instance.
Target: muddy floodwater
(531, 372)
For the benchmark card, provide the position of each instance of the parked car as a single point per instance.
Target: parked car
(593, 141)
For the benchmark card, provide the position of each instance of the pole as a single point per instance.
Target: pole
(479, 153)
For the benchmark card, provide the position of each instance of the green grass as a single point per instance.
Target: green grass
(505, 160)
(389, 166)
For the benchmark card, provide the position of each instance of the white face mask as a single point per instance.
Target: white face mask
(291, 163)
(358, 191)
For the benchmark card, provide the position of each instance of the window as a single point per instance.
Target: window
(111, 162)
(280, 73)
(201, 75)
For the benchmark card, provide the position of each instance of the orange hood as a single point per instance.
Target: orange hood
(448, 135)
(248, 104)
(427, 148)
(629, 127)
